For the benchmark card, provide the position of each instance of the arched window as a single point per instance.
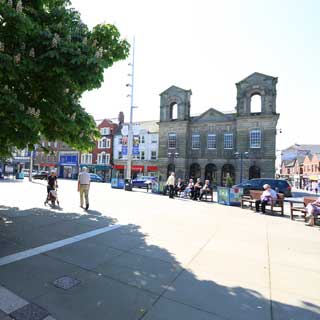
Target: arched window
(256, 103)
(195, 171)
(210, 173)
(254, 172)
(173, 111)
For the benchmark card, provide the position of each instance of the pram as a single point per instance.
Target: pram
(52, 197)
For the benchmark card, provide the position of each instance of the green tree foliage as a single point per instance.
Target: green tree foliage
(229, 181)
(48, 58)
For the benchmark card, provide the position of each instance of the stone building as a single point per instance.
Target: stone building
(215, 145)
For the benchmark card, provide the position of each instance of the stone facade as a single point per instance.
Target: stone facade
(215, 144)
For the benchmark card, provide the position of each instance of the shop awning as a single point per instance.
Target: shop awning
(118, 166)
(137, 168)
(103, 167)
(47, 164)
(87, 165)
(152, 168)
(315, 178)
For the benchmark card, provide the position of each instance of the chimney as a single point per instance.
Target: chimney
(121, 117)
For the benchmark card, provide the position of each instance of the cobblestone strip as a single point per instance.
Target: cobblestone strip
(10, 302)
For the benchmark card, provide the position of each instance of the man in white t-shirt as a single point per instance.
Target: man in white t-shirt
(84, 186)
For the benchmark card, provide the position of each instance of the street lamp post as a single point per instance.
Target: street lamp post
(241, 156)
(130, 135)
(173, 155)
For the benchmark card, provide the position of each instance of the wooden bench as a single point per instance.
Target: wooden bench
(256, 194)
(208, 194)
(295, 207)
(251, 199)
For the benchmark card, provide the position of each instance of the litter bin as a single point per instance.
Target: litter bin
(128, 185)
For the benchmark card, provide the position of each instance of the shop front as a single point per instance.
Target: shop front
(117, 177)
(47, 167)
(104, 171)
(152, 171)
(137, 170)
(68, 166)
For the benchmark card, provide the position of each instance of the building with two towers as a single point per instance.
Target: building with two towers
(214, 145)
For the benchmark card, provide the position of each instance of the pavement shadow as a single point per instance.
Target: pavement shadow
(147, 277)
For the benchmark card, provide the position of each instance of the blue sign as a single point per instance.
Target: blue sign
(135, 150)
(68, 160)
(124, 150)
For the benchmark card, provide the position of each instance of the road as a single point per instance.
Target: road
(136, 255)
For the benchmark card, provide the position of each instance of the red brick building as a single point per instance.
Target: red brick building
(100, 160)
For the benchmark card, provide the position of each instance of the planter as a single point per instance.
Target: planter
(229, 196)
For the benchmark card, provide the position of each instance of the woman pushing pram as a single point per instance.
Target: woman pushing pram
(52, 189)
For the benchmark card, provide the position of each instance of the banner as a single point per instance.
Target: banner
(135, 148)
(124, 149)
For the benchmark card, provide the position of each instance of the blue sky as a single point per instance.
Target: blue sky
(207, 46)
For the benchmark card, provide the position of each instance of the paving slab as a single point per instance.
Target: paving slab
(118, 240)
(140, 271)
(30, 312)
(97, 298)
(229, 269)
(95, 253)
(8, 247)
(32, 277)
(290, 306)
(9, 301)
(231, 302)
(165, 309)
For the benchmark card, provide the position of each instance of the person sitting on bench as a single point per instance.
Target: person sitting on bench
(205, 189)
(267, 196)
(313, 210)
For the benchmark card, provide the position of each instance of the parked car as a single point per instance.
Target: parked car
(279, 185)
(26, 172)
(139, 182)
(95, 178)
(42, 175)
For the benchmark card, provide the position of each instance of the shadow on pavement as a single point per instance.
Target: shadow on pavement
(122, 275)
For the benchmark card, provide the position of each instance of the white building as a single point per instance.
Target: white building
(147, 139)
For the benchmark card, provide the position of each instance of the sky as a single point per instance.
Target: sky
(207, 46)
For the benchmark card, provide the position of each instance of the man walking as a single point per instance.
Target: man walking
(170, 184)
(84, 186)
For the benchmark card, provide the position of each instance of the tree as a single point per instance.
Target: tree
(48, 58)
(229, 181)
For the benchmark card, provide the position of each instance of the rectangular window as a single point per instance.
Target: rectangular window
(154, 139)
(119, 155)
(142, 139)
(107, 158)
(86, 158)
(212, 141)
(153, 155)
(228, 141)
(255, 138)
(108, 143)
(195, 141)
(105, 131)
(120, 140)
(172, 141)
(142, 155)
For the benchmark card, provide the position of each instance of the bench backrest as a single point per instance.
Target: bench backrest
(255, 194)
(307, 200)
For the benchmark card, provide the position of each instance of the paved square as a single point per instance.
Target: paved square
(169, 259)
